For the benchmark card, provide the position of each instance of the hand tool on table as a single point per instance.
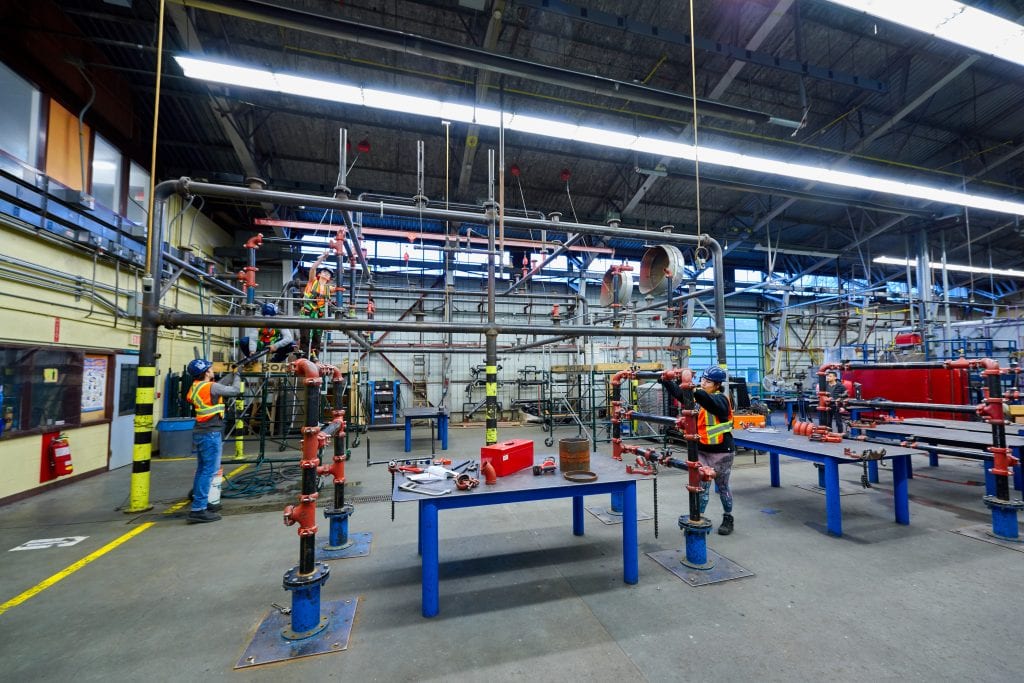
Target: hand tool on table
(413, 487)
(546, 467)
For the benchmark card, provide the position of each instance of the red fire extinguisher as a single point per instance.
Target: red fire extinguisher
(60, 456)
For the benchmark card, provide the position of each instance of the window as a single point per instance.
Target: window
(138, 194)
(19, 120)
(742, 348)
(42, 388)
(106, 175)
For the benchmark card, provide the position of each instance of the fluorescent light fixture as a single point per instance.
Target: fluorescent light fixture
(952, 267)
(952, 21)
(797, 252)
(263, 79)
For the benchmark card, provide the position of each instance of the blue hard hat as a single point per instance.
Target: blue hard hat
(269, 309)
(715, 374)
(198, 367)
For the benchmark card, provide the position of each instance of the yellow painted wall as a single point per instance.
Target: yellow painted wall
(20, 458)
(30, 303)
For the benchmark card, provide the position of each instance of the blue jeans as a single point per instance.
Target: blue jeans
(721, 463)
(208, 450)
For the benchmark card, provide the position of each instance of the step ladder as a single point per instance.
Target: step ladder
(419, 380)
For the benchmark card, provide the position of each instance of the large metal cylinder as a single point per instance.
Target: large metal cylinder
(624, 289)
(661, 269)
(573, 454)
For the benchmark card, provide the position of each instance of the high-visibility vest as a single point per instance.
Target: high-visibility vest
(268, 337)
(201, 397)
(315, 298)
(709, 429)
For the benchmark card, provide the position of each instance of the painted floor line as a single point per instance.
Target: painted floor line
(63, 574)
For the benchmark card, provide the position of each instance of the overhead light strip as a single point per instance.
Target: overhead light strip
(952, 267)
(952, 21)
(263, 79)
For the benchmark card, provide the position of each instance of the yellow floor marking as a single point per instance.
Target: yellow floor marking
(182, 503)
(59, 576)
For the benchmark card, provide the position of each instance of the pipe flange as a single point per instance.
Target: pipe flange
(293, 580)
(993, 502)
(701, 526)
(342, 513)
(580, 476)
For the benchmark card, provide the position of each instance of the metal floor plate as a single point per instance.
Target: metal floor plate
(724, 569)
(983, 532)
(268, 645)
(360, 547)
(607, 517)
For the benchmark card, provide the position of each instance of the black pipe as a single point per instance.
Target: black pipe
(307, 544)
(904, 405)
(650, 417)
(172, 319)
(995, 390)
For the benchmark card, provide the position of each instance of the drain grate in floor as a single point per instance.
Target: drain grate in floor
(382, 498)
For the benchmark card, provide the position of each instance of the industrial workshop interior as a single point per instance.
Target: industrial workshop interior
(511, 340)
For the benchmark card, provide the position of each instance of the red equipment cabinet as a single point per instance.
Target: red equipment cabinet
(915, 385)
(508, 457)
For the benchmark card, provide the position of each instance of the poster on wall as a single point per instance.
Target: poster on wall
(94, 384)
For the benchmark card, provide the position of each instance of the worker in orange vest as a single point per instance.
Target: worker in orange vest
(315, 297)
(714, 427)
(208, 398)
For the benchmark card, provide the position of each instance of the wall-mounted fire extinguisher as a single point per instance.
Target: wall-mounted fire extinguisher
(60, 456)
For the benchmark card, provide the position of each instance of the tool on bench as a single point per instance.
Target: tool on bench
(464, 482)
(546, 467)
(443, 461)
(393, 467)
(466, 466)
(413, 487)
(642, 466)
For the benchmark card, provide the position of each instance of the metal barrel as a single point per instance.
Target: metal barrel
(661, 269)
(573, 454)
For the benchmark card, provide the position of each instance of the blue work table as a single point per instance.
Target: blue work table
(964, 435)
(830, 456)
(521, 487)
(427, 413)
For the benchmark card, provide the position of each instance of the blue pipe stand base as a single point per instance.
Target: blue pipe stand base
(268, 645)
(724, 569)
(357, 545)
(606, 516)
(1004, 518)
(695, 535)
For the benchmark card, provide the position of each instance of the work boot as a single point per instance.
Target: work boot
(213, 507)
(199, 516)
(725, 528)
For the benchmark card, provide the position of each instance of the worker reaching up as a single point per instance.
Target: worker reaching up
(714, 427)
(208, 398)
(314, 303)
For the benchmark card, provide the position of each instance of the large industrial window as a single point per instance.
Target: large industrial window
(106, 175)
(138, 195)
(19, 120)
(42, 388)
(742, 348)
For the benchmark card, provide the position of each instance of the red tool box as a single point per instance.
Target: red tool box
(508, 457)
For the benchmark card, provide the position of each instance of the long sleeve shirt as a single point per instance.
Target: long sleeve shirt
(230, 385)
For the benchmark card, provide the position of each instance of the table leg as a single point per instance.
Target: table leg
(408, 435)
(873, 471)
(933, 459)
(630, 546)
(442, 431)
(990, 479)
(1018, 471)
(901, 489)
(821, 475)
(789, 414)
(773, 468)
(430, 579)
(833, 510)
(577, 515)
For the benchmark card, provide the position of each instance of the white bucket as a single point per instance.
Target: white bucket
(215, 486)
(608, 285)
(661, 269)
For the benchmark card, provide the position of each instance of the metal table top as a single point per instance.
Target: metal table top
(766, 440)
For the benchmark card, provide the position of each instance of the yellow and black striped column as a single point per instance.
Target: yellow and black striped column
(142, 452)
(491, 406)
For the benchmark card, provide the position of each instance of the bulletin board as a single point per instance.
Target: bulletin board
(94, 387)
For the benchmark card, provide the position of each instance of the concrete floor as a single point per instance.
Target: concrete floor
(521, 597)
